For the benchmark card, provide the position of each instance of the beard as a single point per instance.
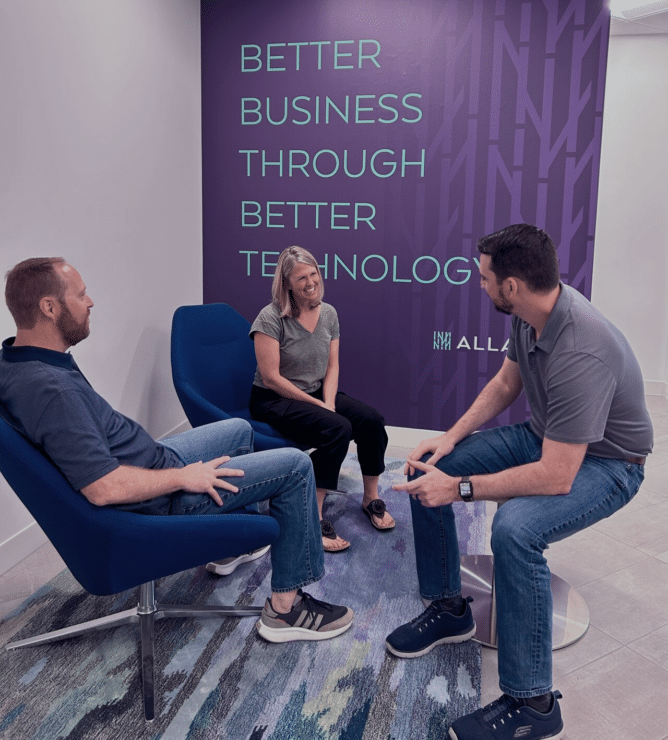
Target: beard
(504, 307)
(70, 330)
(502, 304)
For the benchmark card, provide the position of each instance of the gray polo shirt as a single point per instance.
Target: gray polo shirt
(303, 355)
(582, 380)
(51, 402)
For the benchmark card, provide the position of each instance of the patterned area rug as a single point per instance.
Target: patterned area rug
(218, 679)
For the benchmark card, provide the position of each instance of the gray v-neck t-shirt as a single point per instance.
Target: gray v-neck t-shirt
(303, 354)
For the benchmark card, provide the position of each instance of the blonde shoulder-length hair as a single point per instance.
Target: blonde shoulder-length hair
(281, 295)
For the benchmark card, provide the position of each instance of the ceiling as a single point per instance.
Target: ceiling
(648, 24)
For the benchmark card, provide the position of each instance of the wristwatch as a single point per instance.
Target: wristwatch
(466, 489)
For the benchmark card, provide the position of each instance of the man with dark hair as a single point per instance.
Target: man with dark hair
(113, 461)
(578, 459)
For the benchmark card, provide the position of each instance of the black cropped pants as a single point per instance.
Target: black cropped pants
(329, 432)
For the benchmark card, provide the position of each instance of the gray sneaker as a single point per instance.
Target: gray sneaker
(309, 619)
(228, 565)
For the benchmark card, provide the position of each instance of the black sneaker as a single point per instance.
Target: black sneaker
(508, 719)
(435, 626)
(309, 619)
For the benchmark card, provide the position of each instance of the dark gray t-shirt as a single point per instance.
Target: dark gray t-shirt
(303, 355)
(582, 380)
(52, 403)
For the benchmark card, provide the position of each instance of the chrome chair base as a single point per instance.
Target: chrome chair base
(145, 613)
(570, 614)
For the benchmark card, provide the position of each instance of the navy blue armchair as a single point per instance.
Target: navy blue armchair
(213, 365)
(109, 551)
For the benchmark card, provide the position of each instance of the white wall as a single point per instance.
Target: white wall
(100, 162)
(630, 282)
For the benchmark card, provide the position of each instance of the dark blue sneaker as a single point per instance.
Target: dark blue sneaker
(435, 626)
(510, 719)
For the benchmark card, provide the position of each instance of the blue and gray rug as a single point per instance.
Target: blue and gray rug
(218, 679)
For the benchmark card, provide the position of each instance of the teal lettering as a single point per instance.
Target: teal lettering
(391, 165)
(285, 113)
(248, 153)
(336, 215)
(387, 107)
(367, 219)
(245, 110)
(345, 164)
(405, 163)
(271, 215)
(297, 44)
(359, 109)
(246, 213)
(266, 264)
(431, 259)
(412, 107)
(383, 260)
(301, 110)
(395, 279)
(467, 272)
(302, 166)
(248, 260)
(245, 57)
(373, 56)
(296, 204)
(266, 163)
(338, 54)
(338, 260)
(271, 56)
(315, 163)
(319, 44)
(329, 103)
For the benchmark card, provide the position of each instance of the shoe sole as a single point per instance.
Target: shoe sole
(226, 570)
(290, 634)
(443, 641)
(560, 733)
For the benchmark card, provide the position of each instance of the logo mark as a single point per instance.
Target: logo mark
(442, 340)
(523, 731)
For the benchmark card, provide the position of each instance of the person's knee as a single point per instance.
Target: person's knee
(296, 460)
(508, 534)
(340, 429)
(241, 428)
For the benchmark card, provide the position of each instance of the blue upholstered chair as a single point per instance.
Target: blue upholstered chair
(213, 365)
(109, 551)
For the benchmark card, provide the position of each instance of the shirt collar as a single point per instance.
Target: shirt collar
(556, 318)
(27, 353)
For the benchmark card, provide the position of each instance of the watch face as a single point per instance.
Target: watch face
(465, 488)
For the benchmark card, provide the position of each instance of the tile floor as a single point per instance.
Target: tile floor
(615, 679)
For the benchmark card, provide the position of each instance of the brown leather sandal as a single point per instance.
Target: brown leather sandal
(329, 533)
(377, 508)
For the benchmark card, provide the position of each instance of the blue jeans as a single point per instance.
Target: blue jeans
(522, 529)
(284, 477)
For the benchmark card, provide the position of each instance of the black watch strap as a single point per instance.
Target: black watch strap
(466, 489)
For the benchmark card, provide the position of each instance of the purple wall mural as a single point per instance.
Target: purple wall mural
(387, 136)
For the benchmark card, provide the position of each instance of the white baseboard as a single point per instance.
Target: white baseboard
(656, 388)
(405, 437)
(20, 545)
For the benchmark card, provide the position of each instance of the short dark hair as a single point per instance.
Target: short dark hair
(523, 251)
(27, 283)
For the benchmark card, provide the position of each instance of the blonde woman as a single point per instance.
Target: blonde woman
(296, 387)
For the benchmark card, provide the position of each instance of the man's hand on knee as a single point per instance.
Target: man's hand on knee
(434, 488)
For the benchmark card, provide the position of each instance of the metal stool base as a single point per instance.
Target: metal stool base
(570, 617)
